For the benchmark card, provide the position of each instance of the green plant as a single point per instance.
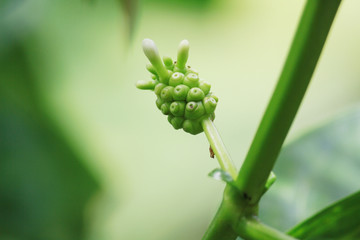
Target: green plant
(237, 214)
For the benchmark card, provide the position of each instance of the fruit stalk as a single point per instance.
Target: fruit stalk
(218, 147)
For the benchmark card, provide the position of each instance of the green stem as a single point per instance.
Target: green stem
(218, 147)
(252, 229)
(305, 50)
(221, 226)
(310, 37)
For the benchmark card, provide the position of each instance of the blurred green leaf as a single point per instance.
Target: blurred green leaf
(130, 8)
(44, 185)
(198, 5)
(339, 221)
(314, 171)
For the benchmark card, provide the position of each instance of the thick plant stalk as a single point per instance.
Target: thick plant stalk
(300, 64)
(305, 51)
(221, 227)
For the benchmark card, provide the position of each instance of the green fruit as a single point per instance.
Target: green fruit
(195, 94)
(176, 78)
(180, 92)
(194, 110)
(178, 108)
(191, 80)
(167, 93)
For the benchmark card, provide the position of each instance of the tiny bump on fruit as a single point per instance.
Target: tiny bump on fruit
(158, 88)
(191, 70)
(209, 104)
(205, 87)
(176, 79)
(177, 108)
(213, 96)
(195, 94)
(165, 108)
(191, 80)
(177, 122)
(180, 92)
(167, 93)
(194, 110)
(192, 126)
(159, 102)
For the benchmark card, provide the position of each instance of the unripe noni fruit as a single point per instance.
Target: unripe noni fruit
(181, 95)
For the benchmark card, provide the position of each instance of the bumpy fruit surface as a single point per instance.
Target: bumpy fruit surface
(181, 94)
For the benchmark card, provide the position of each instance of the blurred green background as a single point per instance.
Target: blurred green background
(85, 155)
